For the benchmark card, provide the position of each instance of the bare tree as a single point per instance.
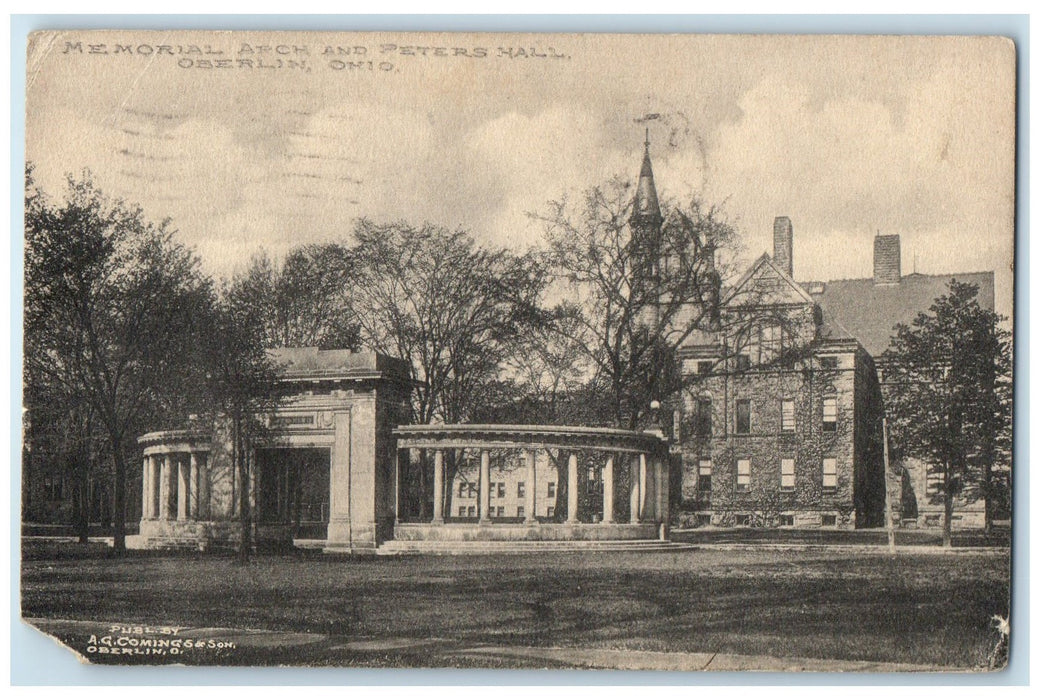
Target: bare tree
(640, 297)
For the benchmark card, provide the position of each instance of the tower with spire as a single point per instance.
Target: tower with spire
(645, 225)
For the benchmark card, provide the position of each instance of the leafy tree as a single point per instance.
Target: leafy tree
(306, 300)
(453, 310)
(242, 383)
(110, 300)
(639, 300)
(450, 308)
(950, 399)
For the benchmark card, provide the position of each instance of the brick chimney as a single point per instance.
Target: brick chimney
(887, 267)
(783, 244)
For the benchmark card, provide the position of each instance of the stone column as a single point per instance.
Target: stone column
(642, 486)
(182, 489)
(572, 488)
(397, 485)
(531, 503)
(165, 481)
(153, 487)
(633, 489)
(339, 533)
(193, 486)
(438, 487)
(204, 487)
(660, 491)
(608, 490)
(485, 485)
(146, 489)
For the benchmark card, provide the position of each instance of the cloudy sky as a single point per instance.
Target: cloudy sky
(847, 136)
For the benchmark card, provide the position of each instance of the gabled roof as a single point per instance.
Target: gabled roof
(870, 311)
(764, 268)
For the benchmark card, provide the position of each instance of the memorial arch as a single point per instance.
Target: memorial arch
(344, 461)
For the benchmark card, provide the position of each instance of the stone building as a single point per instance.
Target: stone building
(329, 472)
(781, 413)
(780, 418)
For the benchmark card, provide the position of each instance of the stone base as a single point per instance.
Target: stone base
(202, 535)
(933, 520)
(801, 520)
(468, 532)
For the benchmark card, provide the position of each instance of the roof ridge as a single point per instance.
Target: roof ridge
(911, 274)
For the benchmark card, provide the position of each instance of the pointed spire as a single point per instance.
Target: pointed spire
(646, 208)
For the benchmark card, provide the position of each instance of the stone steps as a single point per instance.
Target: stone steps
(399, 547)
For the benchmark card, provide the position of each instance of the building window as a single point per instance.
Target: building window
(501, 511)
(702, 418)
(743, 416)
(471, 511)
(519, 511)
(473, 491)
(829, 521)
(521, 489)
(830, 473)
(704, 367)
(501, 490)
(491, 490)
(829, 362)
(462, 489)
(830, 414)
(552, 490)
(787, 415)
(704, 475)
(743, 474)
(786, 521)
(787, 474)
(52, 488)
(550, 511)
(769, 345)
(462, 511)
(742, 520)
(743, 362)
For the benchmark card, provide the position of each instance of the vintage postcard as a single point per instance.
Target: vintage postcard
(663, 352)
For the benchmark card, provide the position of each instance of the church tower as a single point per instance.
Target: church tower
(645, 225)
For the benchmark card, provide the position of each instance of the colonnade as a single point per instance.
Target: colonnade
(647, 485)
(174, 486)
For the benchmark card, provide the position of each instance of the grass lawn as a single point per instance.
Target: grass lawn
(930, 609)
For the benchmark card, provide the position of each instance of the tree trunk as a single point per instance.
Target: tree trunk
(987, 494)
(118, 499)
(947, 508)
(81, 512)
(244, 513)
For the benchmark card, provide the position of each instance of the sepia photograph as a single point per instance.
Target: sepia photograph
(641, 352)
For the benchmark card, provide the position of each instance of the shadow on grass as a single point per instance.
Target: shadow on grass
(930, 610)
